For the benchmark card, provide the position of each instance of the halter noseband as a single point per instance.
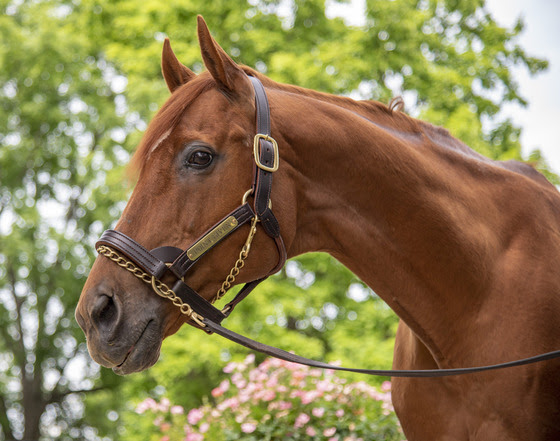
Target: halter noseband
(152, 266)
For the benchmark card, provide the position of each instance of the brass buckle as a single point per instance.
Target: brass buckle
(260, 165)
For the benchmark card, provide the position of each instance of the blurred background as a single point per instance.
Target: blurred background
(79, 82)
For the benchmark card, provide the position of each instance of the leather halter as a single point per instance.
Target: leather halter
(202, 314)
(164, 260)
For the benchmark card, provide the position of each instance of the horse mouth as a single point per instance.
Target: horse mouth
(143, 353)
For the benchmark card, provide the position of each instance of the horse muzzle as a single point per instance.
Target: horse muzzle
(125, 342)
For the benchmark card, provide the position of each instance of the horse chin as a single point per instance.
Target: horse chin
(143, 353)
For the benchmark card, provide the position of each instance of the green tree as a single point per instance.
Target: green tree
(60, 136)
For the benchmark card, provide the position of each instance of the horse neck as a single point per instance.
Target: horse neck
(411, 218)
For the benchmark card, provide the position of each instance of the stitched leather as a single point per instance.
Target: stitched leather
(133, 250)
(262, 183)
(197, 303)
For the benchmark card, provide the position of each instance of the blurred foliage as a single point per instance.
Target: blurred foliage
(80, 79)
(58, 154)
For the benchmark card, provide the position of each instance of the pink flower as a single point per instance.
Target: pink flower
(301, 420)
(204, 427)
(310, 431)
(386, 386)
(194, 437)
(272, 381)
(148, 403)
(268, 395)
(284, 405)
(318, 412)
(316, 372)
(164, 438)
(339, 413)
(231, 403)
(330, 431)
(177, 410)
(219, 391)
(238, 380)
(248, 427)
(230, 367)
(194, 416)
(310, 396)
(324, 386)
(249, 359)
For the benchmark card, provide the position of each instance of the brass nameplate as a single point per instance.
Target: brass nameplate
(213, 237)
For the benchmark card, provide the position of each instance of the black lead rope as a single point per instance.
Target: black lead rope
(422, 373)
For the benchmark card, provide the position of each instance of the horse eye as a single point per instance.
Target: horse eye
(199, 159)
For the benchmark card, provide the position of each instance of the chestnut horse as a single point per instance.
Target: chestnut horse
(463, 248)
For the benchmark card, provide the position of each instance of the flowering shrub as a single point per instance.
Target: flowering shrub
(278, 400)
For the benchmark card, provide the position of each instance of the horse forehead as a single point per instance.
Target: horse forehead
(215, 118)
(202, 114)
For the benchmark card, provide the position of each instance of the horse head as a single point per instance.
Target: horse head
(195, 164)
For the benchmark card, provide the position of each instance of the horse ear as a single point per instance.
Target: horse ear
(174, 72)
(224, 70)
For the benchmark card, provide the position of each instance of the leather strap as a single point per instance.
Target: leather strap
(198, 303)
(134, 251)
(262, 182)
(182, 264)
(243, 292)
(423, 373)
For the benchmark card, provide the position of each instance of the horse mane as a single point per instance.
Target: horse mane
(390, 116)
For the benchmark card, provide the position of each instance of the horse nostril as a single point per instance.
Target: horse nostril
(105, 311)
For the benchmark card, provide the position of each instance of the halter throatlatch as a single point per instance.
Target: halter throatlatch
(151, 266)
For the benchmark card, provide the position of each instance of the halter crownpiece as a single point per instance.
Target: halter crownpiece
(151, 266)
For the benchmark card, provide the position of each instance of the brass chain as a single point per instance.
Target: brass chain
(158, 286)
(164, 291)
(240, 262)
